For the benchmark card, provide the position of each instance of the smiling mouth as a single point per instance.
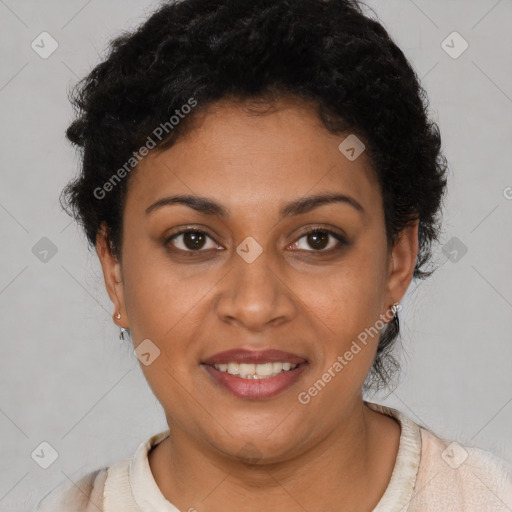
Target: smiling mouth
(255, 374)
(256, 381)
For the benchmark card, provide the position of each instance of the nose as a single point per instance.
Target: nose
(255, 295)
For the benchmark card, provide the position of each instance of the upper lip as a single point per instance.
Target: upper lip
(240, 355)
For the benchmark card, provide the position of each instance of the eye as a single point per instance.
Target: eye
(318, 238)
(191, 240)
(194, 240)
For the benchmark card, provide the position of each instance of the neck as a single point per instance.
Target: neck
(352, 464)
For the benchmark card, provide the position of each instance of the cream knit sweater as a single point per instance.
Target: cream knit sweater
(431, 474)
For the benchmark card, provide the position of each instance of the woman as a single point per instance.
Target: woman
(261, 182)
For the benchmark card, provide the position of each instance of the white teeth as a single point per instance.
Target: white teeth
(232, 368)
(246, 369)
(255, 371)
(265, 370)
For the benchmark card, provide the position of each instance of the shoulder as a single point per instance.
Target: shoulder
(442, 453)
(82, 495)
(461, 477)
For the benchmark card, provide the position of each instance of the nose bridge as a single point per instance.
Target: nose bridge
(254, 294)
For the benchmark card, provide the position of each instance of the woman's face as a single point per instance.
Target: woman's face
(254, 279)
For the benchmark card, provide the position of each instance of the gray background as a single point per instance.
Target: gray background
(66, 379)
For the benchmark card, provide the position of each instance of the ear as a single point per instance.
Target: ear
(401, 263)
(112, 274)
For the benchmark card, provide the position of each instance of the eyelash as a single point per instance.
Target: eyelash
(341, 240)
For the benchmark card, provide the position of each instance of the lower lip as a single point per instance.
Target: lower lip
(256, 388)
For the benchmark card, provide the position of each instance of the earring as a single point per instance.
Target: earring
(395, 308)
(122, 329)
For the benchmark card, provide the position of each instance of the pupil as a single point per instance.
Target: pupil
(195, 238)
(314, 238)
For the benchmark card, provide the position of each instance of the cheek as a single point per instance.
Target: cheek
(167, 304)
(162, 306)
(158, 293)
(348, 299)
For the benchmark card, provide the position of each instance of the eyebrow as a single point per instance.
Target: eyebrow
(208, 206)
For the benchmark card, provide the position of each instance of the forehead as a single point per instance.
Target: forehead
(246, 158)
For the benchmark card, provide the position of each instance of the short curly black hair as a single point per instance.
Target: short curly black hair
(190, 54)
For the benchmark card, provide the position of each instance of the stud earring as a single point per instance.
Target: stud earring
(395, 308)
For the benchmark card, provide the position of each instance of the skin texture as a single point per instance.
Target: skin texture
(292, 297)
